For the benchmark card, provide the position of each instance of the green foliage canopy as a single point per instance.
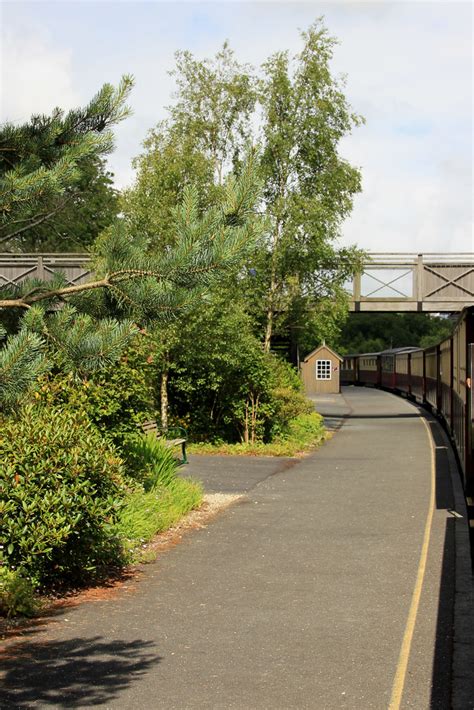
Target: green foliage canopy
(44, 163)
(372, 332)
(296, 110)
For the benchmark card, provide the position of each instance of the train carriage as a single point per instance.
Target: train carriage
(432, 376)
(462, 395)
(349, 370)
(368, 370)
(402, 373)
(417, 374)
(440, 376)
(387, 369)
(445, 384)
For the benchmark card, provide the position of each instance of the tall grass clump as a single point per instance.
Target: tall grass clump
(162, 498)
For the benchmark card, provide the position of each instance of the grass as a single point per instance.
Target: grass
(163, 500)
(147, 513)
(304, 434)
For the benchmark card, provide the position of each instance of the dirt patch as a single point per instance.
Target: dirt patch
(212, 505)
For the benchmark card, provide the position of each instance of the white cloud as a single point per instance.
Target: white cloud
(409, 72)
(36, 77)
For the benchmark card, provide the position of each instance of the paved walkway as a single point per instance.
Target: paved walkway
(297, 597)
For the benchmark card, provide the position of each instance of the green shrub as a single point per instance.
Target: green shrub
(60, 490)
(223, 386)
(305, 430)
(164, 498)
(303, 433)
(114, 399)
(16, 594)
(288, 398)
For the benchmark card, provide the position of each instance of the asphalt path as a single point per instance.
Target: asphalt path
(299, 596)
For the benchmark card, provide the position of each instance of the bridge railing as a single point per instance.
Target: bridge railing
(15, 268)
(388, 282)
(414, 282)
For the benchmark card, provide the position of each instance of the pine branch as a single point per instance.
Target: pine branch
(34, 221)
(22, 360)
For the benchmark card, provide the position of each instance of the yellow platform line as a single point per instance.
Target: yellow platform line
(400, 675)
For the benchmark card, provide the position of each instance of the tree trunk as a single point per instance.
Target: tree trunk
(272, 290)
(268, 331)
(255, 402)
(246, 424)
(164, 399)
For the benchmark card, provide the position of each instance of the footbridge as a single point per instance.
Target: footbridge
(388, 282)
(414, 282)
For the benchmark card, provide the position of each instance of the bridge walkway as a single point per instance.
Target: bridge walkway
(299, 596)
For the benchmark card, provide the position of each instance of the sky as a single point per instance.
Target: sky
(408, 67)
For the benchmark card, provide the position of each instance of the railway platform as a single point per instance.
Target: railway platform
(339, 581)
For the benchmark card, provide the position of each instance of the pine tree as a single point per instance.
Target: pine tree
(42, 161)
(131, 283)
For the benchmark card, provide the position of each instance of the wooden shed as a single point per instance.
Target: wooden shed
(320, 371)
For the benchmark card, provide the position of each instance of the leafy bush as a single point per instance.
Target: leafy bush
(288, 398)
(305, 430)
(60, 490)
(16, 594)
(303, 433)
(224, 386)
(164, 498)
(114, 399)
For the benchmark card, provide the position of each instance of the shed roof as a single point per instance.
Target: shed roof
(321, 347)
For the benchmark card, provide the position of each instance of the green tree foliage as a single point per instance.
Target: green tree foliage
(309, 188)
(88, 207)
(297, 111)
(372, 332)
(215, 100)
(115, 399)
(130, 281)
(224, 386)
(45, 164)
(170, 163)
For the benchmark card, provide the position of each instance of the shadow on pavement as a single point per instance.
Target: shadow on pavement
(80, 672)
(442, 662)
(376, 415)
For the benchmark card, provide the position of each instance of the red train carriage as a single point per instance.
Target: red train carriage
(417, 375)
(440, 376)
(432, 376)
(368, 369)
(398, 368)
(462, 404)
(387, 370)
(349, 370)
(445, 382)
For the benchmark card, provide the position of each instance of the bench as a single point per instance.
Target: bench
(174, 436)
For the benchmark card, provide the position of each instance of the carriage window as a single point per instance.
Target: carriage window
(323, 369)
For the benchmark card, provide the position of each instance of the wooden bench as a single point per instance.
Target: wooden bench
(174, 436)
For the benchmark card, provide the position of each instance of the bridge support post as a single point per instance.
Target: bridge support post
(40, 272)
(357, 290)
(418, 282)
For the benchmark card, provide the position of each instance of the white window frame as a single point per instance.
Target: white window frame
(324, 370)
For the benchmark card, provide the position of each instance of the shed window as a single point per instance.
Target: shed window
(323, 369)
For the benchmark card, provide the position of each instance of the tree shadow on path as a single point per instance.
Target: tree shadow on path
(80, 672)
